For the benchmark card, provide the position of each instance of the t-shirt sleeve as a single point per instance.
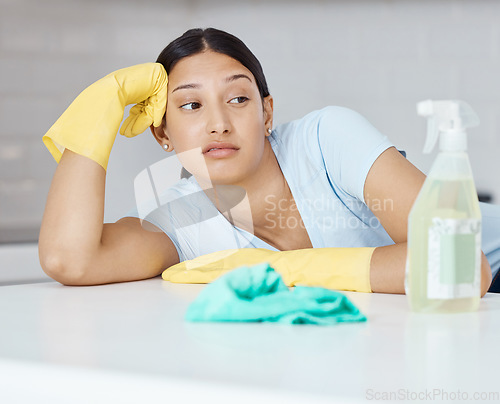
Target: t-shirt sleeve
(349, 145)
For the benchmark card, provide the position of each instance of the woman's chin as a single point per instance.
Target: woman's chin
(219, 177)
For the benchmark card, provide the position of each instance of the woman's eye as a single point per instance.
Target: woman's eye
(241, 100)
(191, 105)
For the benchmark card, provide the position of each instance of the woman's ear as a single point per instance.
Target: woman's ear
(268, 112)
(161, 136)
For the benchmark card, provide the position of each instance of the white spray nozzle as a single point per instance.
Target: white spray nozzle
(447, 116)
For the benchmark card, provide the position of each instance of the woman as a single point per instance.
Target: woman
(218, 96)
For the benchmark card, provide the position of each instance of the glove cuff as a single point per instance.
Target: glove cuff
(342, 268)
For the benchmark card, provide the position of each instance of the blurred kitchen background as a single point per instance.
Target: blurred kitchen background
(378, 57)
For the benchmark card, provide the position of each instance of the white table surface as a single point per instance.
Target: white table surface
(19, 263)
(128, 342)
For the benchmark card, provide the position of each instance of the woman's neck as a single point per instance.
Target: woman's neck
(254, 202)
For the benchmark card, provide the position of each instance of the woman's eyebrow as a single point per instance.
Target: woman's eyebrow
(238, 76)
(227, 80)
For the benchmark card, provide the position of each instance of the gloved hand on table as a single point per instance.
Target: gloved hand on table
(89, 125)
(342, 268)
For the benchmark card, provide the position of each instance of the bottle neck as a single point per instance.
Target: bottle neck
(453, 140)
(451, 165)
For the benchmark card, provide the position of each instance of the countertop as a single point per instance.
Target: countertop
(128, 341)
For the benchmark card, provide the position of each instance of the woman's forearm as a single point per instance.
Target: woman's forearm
(73, 219)
(387, 269)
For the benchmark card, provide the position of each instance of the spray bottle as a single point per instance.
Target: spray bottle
(443, 265)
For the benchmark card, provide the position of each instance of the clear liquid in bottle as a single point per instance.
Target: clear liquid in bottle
(444, 247)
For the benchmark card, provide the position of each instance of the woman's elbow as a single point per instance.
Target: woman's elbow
(57, 269)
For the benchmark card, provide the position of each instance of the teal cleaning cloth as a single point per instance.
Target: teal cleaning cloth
(258, 293)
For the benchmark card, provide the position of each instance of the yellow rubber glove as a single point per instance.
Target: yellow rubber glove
(340, 268)
(90, 124)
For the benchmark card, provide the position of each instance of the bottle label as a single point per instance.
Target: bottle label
(454, 261)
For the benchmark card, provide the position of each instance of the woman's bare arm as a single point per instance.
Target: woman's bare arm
(73, 219)
(77, 248)
(387, 270)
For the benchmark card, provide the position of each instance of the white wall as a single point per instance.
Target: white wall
(377, 57)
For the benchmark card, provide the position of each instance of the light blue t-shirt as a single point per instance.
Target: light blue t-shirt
(325, 158)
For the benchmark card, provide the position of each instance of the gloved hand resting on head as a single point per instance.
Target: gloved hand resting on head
(344, 268)
(90, 124)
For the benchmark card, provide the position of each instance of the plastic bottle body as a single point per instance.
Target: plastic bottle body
(444, 240)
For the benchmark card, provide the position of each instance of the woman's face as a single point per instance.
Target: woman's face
(214, 98)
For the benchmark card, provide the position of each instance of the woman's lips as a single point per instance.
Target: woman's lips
(220, 153)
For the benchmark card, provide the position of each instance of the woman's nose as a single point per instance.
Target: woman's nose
(218, 120)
